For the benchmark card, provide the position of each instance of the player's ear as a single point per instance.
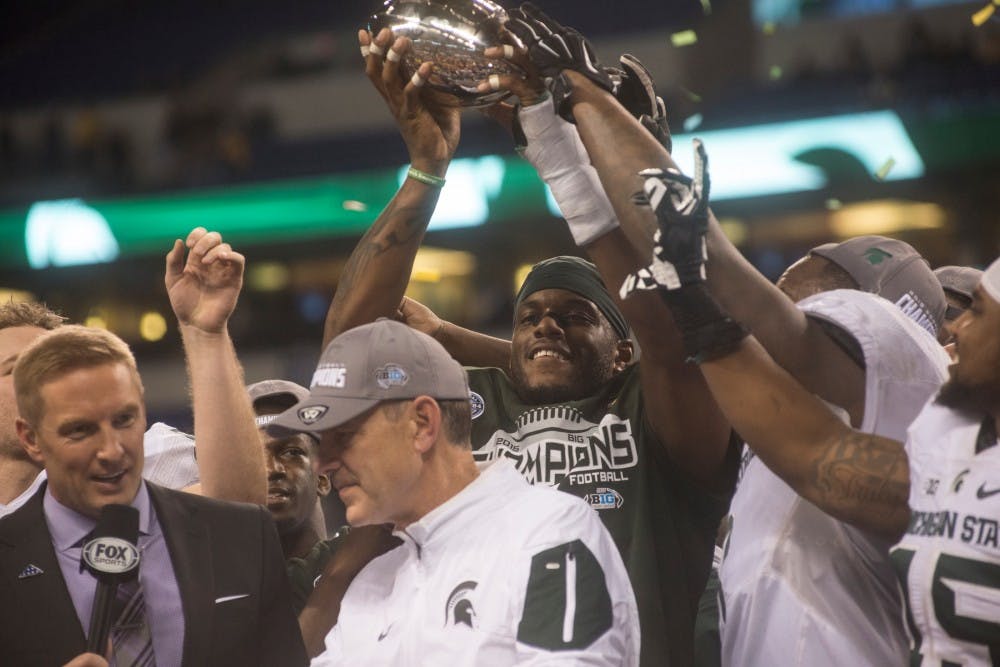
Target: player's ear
(624, 354)
(323, 485)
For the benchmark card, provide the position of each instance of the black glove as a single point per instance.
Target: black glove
(678, 267)
(681, 207)
(552, 49)
(637, 93)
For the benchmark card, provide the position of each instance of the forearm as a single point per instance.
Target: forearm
(322, 611)
(378, 270)
(681, 409)
(619, 147)
(685, 416)
(230, 454)
(470, 348)
(858, 478)
(796, 343)
(556, 152)
(752, 299)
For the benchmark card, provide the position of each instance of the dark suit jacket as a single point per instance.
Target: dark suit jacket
(218, 550)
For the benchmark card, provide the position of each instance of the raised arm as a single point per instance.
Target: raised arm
(469, 348)
(679, 407)
(378, 269)
(203, 288)
(858, 478)
(620, 148)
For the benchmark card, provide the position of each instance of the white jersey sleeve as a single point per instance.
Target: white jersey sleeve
(169, 457)
(904, 365)
(572, 601)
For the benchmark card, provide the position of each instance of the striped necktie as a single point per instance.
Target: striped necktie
(131, 639)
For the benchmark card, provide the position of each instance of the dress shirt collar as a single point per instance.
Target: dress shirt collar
(68, 527)
(490, 485)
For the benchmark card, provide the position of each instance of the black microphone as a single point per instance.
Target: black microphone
(111, 555)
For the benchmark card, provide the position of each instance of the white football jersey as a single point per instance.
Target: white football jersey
(949, 559)
(799, 587)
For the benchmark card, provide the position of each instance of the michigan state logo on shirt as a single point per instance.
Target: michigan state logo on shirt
(458, 610)
(556, 443)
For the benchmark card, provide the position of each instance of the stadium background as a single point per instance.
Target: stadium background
(124, 124)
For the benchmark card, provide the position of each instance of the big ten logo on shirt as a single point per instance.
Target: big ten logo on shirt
(330, 375)
(555, 443)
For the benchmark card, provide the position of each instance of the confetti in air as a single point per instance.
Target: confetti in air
(353, 205)
(706, 7)
(984, 14)
(884, 170)
(691, 95)
(775, 72)
(834, 204)
(684, 38)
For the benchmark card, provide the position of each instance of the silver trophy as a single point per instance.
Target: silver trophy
(453, 35)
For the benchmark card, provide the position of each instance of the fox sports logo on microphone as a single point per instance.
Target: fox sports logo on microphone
(110, 555)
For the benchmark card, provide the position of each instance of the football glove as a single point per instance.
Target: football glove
(637, 93)
(681, 207)
(553, 48)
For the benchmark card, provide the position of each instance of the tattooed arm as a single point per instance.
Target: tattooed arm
(378, 270)
(856, 477)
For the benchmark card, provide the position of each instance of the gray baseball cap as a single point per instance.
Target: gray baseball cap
(961, 280)
(289, 391)
(893, 270)
(382, 361)
(991, 280)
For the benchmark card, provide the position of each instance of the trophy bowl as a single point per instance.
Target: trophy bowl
(453, 35)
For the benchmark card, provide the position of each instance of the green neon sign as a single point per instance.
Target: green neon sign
(746, 162)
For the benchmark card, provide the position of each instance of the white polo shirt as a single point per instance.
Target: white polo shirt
(501, 573)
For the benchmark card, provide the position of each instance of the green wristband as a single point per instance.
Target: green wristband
(424, 177)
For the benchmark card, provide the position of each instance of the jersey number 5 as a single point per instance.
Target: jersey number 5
(966, 598)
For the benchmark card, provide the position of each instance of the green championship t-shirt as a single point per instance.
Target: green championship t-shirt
(601, 449)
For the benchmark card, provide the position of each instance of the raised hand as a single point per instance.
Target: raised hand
(417, 316)
(204, 286)
(681, 207)
(637, 93)
(430, 129)
(552, 48)
(528, 85)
